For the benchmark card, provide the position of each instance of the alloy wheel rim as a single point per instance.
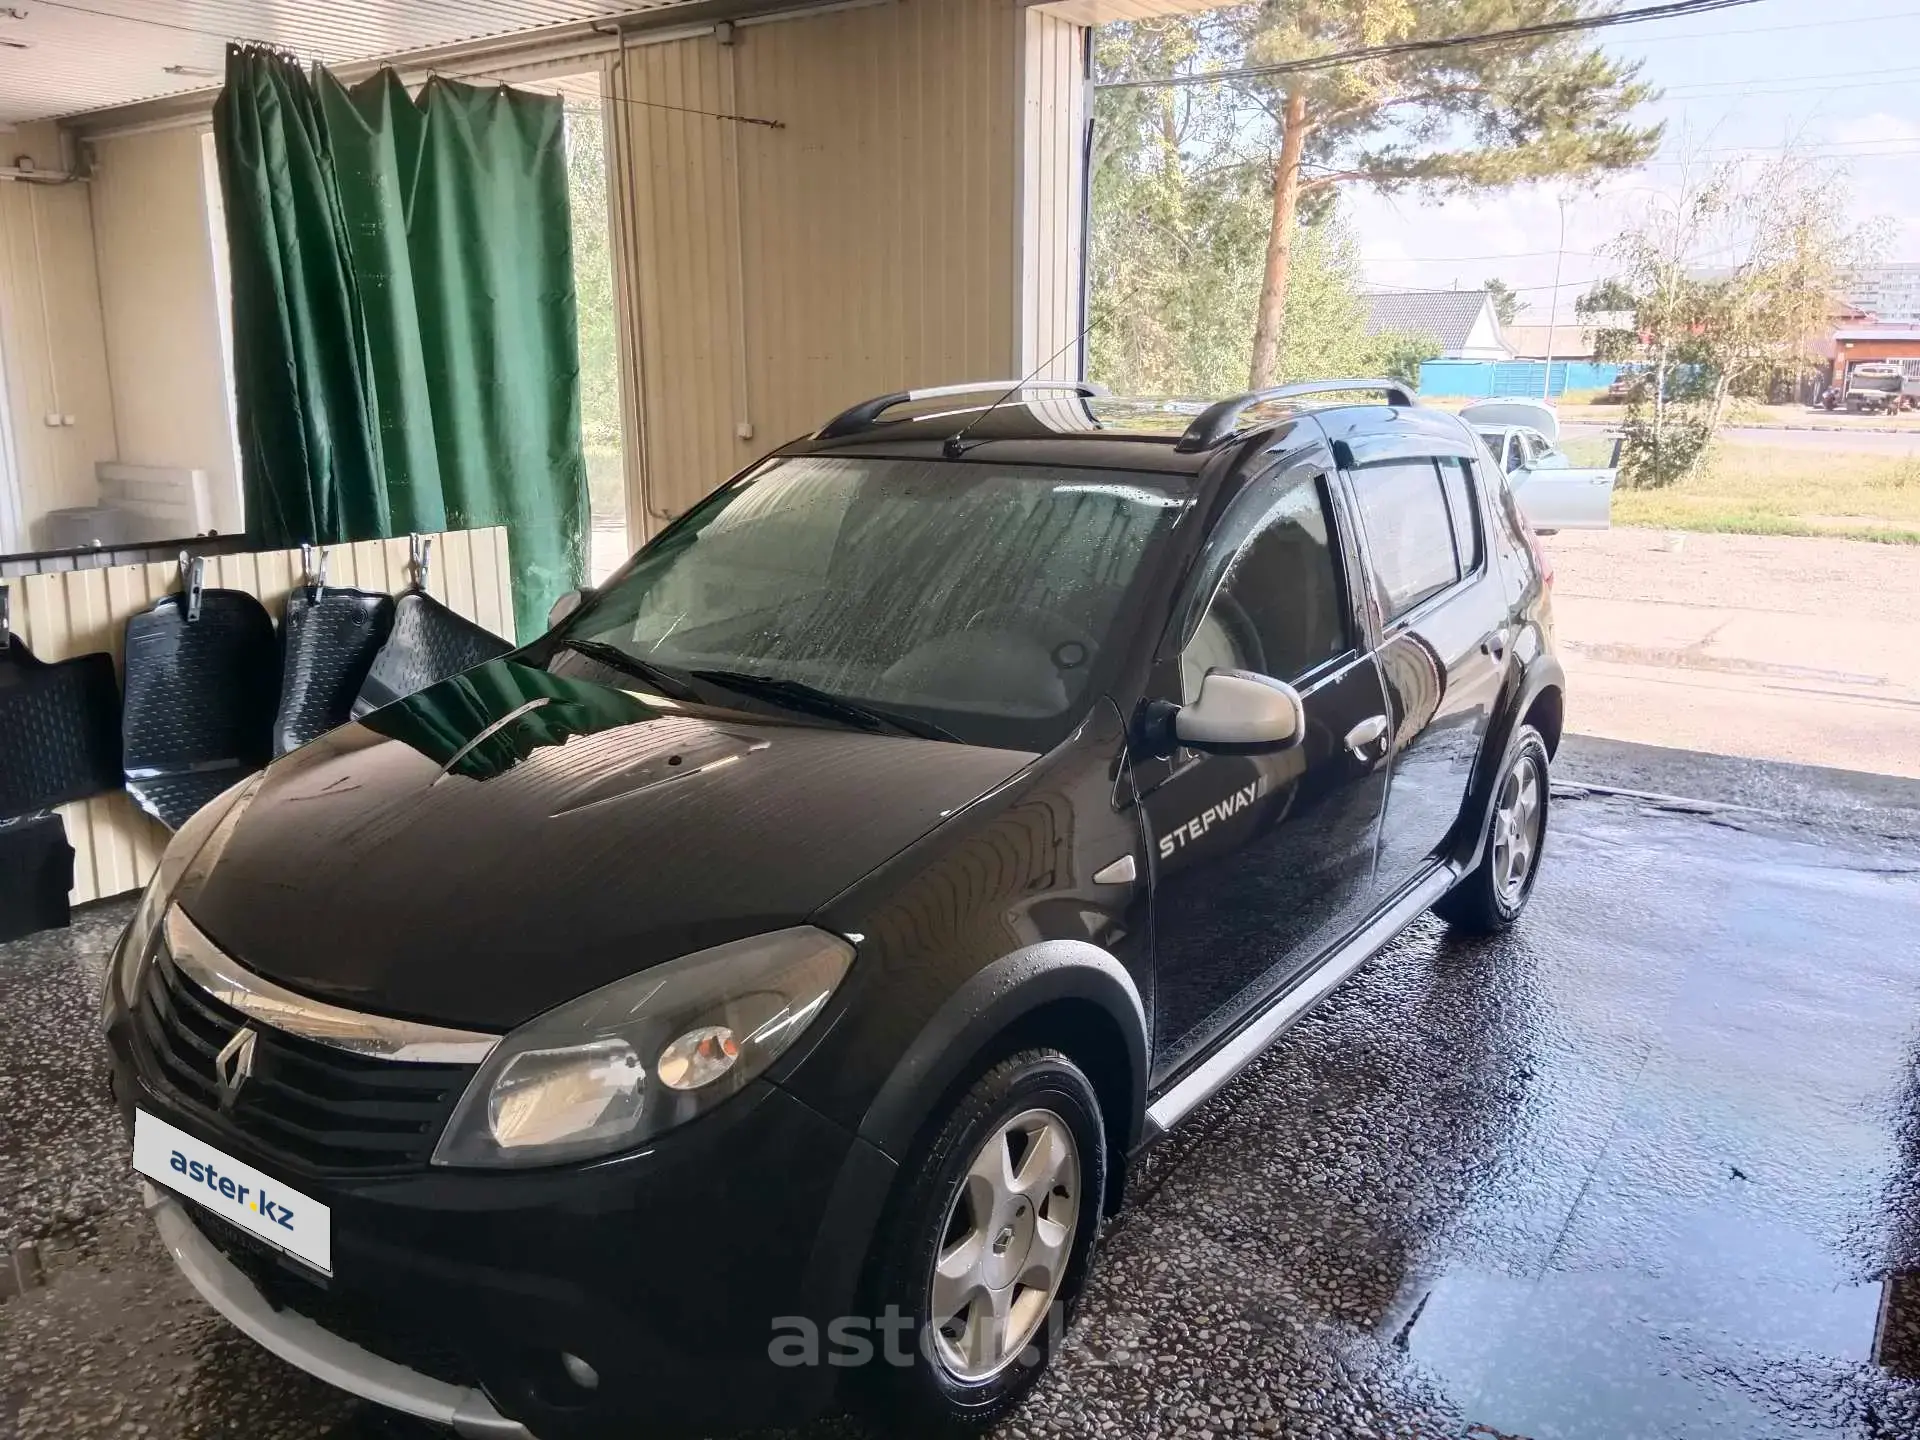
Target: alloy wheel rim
(1516, 830)
(1004, 1245)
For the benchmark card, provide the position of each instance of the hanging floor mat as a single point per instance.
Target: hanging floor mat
(59, 726)
(329, 641)
(36, 874)
(429, 643)
(203, 673)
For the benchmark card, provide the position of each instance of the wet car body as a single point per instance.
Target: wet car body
(515, 837)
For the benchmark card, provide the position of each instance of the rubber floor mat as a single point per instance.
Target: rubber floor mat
(59, 729)
(201, 696)
(329, 641)
(36, 874)
(429, 643)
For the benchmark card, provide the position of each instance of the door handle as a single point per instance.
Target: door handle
(1373, 728)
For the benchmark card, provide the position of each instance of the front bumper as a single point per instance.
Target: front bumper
(303, 1344)
(667, 1270)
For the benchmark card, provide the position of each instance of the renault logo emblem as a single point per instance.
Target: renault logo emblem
(233, 1065)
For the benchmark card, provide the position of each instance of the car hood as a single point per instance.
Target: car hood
(509, 839)
(1514, 410)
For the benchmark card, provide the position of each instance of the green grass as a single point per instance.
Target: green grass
(1756, 490)
(1587, 451)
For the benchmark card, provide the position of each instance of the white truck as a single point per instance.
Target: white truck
(1524, 437)
(1875, 385)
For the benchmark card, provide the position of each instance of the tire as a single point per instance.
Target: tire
(959, 1380)
(1491, 896)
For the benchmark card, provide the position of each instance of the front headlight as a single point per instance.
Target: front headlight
(193, 841)
(642, 1055)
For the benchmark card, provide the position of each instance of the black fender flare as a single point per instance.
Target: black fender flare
(994, 1001)
(984, 1009)
(1544, 673)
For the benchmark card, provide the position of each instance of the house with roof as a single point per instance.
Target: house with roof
(1461, 322)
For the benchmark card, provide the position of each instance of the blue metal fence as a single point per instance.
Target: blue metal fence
(1482, 379)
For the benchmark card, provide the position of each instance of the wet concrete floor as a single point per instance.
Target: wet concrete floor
(1649, 1166)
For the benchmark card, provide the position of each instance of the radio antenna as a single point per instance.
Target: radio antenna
(955, 445)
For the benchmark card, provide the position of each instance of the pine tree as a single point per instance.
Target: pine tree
(1465, 119)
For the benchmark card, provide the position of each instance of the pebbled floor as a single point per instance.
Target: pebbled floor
(1648, 1166)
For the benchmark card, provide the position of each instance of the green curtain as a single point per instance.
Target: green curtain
(405, 351)
(303, 398)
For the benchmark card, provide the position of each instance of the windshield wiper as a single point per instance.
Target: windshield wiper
(811, 700)
(658, 676)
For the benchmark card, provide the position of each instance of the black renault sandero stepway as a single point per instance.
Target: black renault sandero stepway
(748, 997)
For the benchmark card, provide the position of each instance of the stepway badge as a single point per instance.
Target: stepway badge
(236, 1192)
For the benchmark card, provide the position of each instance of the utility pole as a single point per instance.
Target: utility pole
(1553, 306)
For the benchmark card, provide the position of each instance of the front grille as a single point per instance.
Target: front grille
(377, 1329)
(314, 1106)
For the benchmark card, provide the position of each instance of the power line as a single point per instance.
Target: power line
(1879, 70)
(1772, 29)
(1465, 259)
(1417, 47)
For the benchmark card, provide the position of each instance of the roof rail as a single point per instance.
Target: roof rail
(1217, 421)
(867, 413)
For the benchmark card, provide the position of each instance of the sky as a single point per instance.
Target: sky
(1843, 75)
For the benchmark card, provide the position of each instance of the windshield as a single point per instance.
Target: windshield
(983, 599)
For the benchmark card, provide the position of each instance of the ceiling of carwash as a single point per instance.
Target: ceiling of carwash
(61, 58)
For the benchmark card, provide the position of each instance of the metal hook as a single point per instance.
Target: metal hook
(314, 580)
(193, 578)
(420, 559)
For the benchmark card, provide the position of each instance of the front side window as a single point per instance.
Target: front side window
(990, 600)
(1269, 599)
(1410, 540)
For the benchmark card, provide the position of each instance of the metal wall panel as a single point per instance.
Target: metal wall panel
(52, 339)
(1054, 111)
(868, 245)
(76, 612)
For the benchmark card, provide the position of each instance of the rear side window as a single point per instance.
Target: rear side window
(1458, 480)
(1408, 515)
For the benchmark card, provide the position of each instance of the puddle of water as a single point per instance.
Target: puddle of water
(1682, 1350)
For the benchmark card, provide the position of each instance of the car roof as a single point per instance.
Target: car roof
(1119, 433)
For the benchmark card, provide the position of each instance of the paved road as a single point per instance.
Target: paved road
(1772, 647)
(1834, 441)
(1650, 1166)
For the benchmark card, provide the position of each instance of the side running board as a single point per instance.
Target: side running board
(1246, 1044)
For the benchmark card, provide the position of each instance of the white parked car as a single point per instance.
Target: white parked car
(1524, 438)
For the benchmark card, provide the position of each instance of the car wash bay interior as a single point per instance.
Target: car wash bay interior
(803, 206)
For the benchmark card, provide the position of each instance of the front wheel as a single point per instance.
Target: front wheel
(988, 1244)
(1491, 896)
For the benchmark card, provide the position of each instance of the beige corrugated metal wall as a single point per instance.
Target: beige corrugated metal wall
(1054, 109)
(877, 241)
(77, 612)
